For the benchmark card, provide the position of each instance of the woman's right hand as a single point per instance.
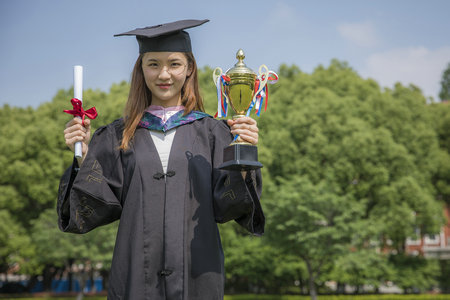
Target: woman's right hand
(76, 132)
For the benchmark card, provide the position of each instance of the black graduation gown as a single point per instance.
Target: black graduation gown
(167, 245)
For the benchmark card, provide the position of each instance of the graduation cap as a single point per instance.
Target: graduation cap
(165, 37)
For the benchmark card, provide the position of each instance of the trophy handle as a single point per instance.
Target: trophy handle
(216, 75)
(263, 78)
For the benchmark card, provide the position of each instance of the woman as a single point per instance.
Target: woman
(157, 170)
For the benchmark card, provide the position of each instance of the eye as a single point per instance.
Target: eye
(176, 64)
(153, 65)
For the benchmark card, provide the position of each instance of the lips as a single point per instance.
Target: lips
(164, 86)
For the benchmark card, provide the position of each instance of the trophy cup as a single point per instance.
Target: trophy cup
(242, 89)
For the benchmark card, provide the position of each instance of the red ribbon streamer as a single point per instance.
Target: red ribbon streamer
(78, 110)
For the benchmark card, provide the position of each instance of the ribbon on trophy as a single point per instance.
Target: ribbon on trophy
(222, 99)
(263, 95)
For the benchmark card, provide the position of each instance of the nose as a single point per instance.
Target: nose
(164, 73)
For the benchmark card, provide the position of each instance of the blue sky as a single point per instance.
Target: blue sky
(389, 41)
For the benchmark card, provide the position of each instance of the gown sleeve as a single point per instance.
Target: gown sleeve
(235, 198)
(90, 196)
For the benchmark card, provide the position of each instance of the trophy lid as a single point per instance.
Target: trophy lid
(240, 67)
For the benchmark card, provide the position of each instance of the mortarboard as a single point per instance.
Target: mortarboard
(165, 37)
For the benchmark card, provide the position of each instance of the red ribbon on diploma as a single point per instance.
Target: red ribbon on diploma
(78, 110)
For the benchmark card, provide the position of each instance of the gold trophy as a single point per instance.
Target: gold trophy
(239, 91)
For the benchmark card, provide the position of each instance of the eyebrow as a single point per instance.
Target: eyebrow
(170, 60)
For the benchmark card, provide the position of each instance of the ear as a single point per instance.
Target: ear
(189, 70)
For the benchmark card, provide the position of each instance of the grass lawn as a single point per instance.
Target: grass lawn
(278, 297)
(346, 297)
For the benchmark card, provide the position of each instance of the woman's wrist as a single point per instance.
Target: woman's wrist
(80, 160)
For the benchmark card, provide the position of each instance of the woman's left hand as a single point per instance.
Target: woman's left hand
(246, 128)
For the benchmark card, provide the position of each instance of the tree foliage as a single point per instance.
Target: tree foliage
(355, 168)
(444, 93)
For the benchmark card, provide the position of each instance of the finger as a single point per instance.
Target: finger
(245, 123)
(71, 142)
(245, 126)
(75, 127)
(247, 120)
(72, 134)
(250, 139)
(77, 120)
(87, 123)
(74, 139)
(245, 132)
(72, 122)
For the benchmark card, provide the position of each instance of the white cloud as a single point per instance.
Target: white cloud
(360, 34)
(418, 65)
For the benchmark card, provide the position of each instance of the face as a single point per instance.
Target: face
(165, 74)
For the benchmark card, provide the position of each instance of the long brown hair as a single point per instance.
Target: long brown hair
(140, 97)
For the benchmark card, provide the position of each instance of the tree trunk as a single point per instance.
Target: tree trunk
(32, 282)
(105, 276)
(48, 274)
(302, 285)
(80, 296)
(70, 275)
(311, 279)
(312, 289)
(93, 289)
(81, 276)
(340, 288)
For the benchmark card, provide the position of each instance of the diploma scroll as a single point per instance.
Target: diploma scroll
(78, 94)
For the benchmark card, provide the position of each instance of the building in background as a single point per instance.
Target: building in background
(432, 246)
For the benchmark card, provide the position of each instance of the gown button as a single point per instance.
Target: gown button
(165, 272)
(159, 176)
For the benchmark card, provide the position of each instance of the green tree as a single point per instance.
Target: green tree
(311, 222)
(440, 120)
(349, 147)
(208, 90)
(252, 265)
(33, 157)
(444, 93)
(363, 267)
(59, 251)
(408, 278)
(16, 248)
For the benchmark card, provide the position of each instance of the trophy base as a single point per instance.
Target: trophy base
(240, 157)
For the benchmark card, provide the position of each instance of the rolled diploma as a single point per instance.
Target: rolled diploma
(78, 94)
